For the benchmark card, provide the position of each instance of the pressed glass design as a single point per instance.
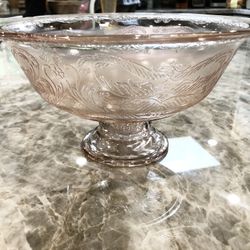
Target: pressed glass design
(124, 71)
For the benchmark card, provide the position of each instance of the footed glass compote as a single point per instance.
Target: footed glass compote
(125, 70)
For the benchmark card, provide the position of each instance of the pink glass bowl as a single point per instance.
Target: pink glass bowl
(125, 70)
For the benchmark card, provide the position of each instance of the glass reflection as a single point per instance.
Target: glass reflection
(141, 197)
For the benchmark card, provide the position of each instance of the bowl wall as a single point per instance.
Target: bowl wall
(124, 82)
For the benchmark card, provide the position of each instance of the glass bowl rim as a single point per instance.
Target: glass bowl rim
(7, 34)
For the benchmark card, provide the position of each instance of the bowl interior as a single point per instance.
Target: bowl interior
(132, 27)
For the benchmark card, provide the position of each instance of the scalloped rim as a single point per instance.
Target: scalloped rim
(240, 30)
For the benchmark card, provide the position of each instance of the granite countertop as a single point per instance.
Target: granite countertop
(51, 197)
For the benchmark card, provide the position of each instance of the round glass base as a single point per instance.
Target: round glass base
(132, 199)
(125, 144)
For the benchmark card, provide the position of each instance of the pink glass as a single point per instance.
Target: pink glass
(124, 71)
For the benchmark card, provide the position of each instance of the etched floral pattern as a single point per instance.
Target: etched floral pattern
(110, 84)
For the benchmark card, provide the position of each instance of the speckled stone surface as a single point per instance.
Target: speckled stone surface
(52, 198)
